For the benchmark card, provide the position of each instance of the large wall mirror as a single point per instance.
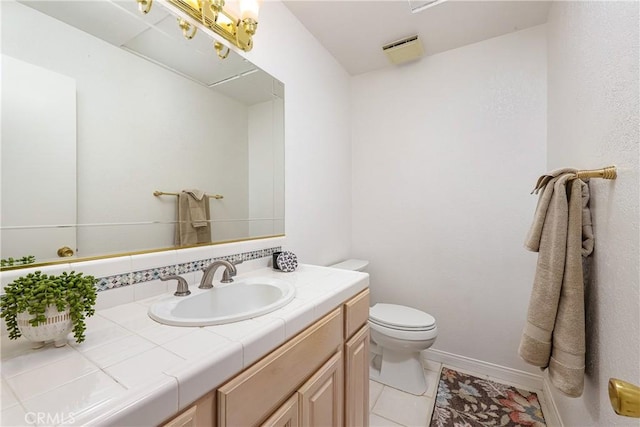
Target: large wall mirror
(102, 106)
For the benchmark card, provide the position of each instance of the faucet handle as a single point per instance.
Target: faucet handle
(229, 273)
(234, 272)
(183, 286)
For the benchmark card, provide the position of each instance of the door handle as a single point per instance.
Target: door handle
(625, 398)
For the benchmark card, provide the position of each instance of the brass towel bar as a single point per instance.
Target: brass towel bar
(162, 193)
(608, 172)
(605, 173)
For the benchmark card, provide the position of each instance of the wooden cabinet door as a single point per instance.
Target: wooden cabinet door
(321, 397)
(286, 416)
(356, 367)
(200, 414)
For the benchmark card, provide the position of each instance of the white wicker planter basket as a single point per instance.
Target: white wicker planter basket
(56, 328)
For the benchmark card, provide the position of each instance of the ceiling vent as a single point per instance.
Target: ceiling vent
(404, 50)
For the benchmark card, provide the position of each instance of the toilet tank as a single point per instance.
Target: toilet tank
(352, 264)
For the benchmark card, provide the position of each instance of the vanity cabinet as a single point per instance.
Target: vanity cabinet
(253, 395)
(320, 377)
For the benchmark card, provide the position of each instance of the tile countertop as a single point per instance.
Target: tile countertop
(133, 371)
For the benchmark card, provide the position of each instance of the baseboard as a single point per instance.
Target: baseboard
(507, 375)
(551, 415)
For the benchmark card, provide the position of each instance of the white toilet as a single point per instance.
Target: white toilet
(398, 335)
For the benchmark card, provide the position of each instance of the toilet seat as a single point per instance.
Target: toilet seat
(402, 323)
(402, 334)
(401, 318)
(400, 328)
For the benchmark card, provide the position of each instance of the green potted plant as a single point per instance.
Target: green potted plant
(43, 308)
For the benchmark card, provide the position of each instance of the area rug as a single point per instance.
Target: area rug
(467, 401)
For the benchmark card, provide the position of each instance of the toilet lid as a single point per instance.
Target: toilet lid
(401, 317)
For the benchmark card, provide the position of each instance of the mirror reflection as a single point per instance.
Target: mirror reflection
(103, 106)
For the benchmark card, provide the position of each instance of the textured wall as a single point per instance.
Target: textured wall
(445, 153)
(593, 122)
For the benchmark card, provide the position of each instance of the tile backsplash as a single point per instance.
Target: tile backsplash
(130, 278)
(125, 279)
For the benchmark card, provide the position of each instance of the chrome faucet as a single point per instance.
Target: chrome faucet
(227, 274)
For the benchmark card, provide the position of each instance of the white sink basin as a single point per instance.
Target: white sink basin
(236, 301)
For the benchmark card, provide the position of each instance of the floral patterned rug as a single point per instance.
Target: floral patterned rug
(467, 401)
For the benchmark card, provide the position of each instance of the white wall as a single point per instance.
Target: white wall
(593, 121)
(317, 135)
(445, 153)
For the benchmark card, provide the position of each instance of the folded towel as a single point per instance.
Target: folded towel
(195, 193)
(193, 219)
(554, 335)
(198, 204)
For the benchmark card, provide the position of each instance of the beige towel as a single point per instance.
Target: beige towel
(193, 225)
(195, 193)
(198, 207)
(554, 335)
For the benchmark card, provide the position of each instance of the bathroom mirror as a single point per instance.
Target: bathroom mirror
(132, 107)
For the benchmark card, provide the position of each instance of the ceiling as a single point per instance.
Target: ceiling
(355, 31)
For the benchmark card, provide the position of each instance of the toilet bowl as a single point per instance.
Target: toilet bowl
(398, 335)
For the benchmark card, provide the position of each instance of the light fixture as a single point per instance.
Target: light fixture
(420, 5)
(220, 50)
(213, 15)
(188, 30)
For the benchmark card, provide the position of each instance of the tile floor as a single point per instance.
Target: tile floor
(391, 408)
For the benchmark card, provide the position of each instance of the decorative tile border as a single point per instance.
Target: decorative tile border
(113, 282)
(125, 279)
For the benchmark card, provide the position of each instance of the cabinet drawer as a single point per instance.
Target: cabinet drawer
(356, 312)
(253, 395)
